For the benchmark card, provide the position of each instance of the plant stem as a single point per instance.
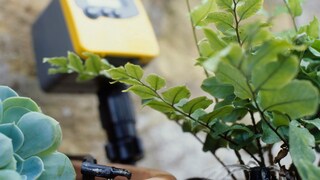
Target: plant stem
(236, 21)
(195, 37)
(214, 155)
(246, 174)
(270, 155)
(291, 15)
(257, 139)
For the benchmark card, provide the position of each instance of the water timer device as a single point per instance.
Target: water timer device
(118, 30)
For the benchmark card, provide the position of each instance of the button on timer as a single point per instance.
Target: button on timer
(92, 12)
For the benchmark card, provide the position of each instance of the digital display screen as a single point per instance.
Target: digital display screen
(114, 4)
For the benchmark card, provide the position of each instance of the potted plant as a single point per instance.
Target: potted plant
(29, 141)
(272, 79)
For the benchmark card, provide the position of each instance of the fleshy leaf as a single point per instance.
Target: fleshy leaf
(297, 99)
(175, 94)
(6, 92)
(57, 166)
(14, 133)
(13, 114)
(32, 167)
(20, 102)
(42, 134)
(9, 174)
(155, 81)
(6, 152)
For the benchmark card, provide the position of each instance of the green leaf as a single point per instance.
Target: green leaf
(307, 170)
(267, 53)
(175, 94)
(56, 61)
(295, 7)
(229, 74)
(9, 174)
(155, 81)
(75, 63)
(225, 4)
(32, 167)
(275, 75)
(215, 42)
(314, 122)
(195, 104)
(215, 88)
(92, 63)
(205, 48)
(301, 142)
(14, 133)
(280, 119)
(58, 70)
(217, 113)
(222, 20)
(212, 144)
(159, 106)
(199, 13)
(6, 92)
(45, 139)
(6, 152)
(313, 29)
(249, 8)
(297, 99)
(57, 166)
(134, 71)
(142, 91)
(268, 135)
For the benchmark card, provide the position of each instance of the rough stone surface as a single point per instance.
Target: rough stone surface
(166, 147)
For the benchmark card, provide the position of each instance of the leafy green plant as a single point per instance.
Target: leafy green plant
(29, 141)
(272, 78)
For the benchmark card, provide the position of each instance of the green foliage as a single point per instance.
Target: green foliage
(251, 71)
(27, 139)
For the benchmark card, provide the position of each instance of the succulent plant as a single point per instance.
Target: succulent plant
(29, 140)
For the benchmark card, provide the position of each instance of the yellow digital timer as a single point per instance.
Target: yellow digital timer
(118, 30)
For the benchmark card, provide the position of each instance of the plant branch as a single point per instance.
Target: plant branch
(246, 174)
(194, 120)
(257, 139)
(214, 154)
(291, 15)
(234, 12)
(195, 37)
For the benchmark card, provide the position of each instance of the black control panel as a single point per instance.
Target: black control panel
(108, 8)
